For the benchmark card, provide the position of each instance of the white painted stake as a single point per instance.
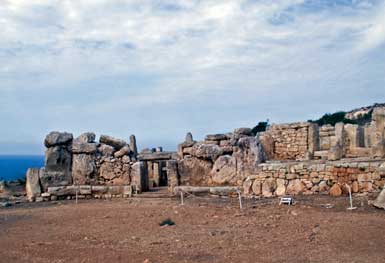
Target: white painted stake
(240, 199)
(181, 198)
(76, 195)
(350, 198)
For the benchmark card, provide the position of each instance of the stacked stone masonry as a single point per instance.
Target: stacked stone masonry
(296, 158)
(312, 177)
(286, 159)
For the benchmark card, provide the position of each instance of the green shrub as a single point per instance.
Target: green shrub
(261, 127)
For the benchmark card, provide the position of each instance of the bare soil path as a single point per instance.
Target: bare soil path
(205, 230)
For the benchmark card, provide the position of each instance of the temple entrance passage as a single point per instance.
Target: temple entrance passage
(163, 180)
(156, 167)
(157, 173)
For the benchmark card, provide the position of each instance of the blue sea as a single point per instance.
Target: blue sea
(13, 167)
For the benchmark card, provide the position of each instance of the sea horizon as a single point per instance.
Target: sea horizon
(14, 166)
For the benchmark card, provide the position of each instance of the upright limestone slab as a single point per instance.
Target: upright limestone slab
(139, 176)
(172, 174)
(58, 160)
(32, 186)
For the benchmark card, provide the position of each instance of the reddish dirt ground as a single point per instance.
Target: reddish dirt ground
(205, 230)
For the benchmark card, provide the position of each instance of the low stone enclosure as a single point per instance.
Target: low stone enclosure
(286, 159)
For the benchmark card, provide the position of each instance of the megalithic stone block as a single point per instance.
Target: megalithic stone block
(189, 138)
(114, 142)
(58, 138)
(139, 176)
(380, 201)
(172, 174)
(133, 146)
(58, 166)
(83, 168)
(32, 186)
(313, 139)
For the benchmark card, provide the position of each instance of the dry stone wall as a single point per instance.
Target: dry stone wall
(290, 141)
(314, 177)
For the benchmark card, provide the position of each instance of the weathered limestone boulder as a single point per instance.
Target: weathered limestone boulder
(88, 137)
(83, 168)
(126, 159)
(58, 159)
(257, 187)
(215, 137)
(267, 143)
(106, 150)
(107, 171)
(188, 150)
(133, 146)
(313, 140)
(82, 147)
(295, 187)
(268, 187)
(378, 117)
(32, 186)
(189, 138)
(243, 131)
(114, 142)
(156, 156)
(353, 134)
(70, 190)
(139, 178)
(336, 152)
(381, 169)
(224, 171)
(51, 178)
(253, 148)
(323, 187)
(378, 150)
(58, 164)
(172, 174)
(366, 186)
(189, 142)
(207, 151)
(124, 151)
(58, 138)
(281, 188)
(99, 189)
(247, 187)
(355, 187)
(335, 190)
(194, 171)
(380, 201)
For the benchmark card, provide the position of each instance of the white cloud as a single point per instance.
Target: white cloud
(375, 33)
(66, 55)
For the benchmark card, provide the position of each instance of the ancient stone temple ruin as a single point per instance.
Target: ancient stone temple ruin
(296, 158)
(83, 168)
(286, 159)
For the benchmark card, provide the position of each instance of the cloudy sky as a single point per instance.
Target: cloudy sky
(159, 69)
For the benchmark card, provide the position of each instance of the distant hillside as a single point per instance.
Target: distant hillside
(358, 113)
(359, 116)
